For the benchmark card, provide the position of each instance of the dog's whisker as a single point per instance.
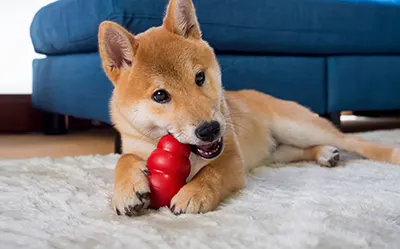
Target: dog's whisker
(237, 125)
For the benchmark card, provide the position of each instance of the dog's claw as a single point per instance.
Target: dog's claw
(172, 209)
(129, 211)
(146, 172)
(143, 197)
(118, 212)
(133, 210)
(174, 212)
(138, 208)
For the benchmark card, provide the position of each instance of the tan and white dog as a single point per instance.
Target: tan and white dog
(167, 80)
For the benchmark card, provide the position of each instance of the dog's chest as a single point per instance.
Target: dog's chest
(196, 164)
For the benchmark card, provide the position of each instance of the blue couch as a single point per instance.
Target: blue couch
(328, 55)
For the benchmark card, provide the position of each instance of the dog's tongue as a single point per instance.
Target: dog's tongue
(207, 147)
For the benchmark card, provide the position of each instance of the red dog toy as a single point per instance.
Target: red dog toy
(169, 167)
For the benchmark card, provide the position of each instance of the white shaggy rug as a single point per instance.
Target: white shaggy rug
(64, 203)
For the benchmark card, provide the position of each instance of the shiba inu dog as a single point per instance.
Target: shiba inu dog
(167, 80)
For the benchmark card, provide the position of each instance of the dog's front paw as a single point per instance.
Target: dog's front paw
(193, 198)
(132, 194)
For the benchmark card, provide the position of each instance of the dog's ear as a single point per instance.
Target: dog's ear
(181, 19)
(117, 48)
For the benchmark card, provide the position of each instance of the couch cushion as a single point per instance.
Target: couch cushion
(76, 85)
(363, 83)
(72, 84)
(260, 26)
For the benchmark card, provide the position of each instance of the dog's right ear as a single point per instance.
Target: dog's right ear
(117, 48)
(181, 19)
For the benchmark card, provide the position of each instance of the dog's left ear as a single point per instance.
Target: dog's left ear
(181, 19)
(117, 48)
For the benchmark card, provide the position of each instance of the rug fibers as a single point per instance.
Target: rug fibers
(65, 203)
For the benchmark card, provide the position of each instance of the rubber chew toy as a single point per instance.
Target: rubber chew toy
(169, 167)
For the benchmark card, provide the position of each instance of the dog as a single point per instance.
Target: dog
(167, 80)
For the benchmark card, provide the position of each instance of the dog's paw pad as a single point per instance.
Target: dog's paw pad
(328, 156)
(129, 206)
(133, 210)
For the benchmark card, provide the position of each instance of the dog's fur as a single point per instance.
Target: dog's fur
(256, 128)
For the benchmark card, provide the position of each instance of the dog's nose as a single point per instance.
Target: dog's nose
(208, 131)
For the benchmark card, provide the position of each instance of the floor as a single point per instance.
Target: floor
(74, 144)
(102, 141)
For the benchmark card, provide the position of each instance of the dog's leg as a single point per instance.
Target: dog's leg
(324, 155)
(209, 187)
(131, 186)
(295, 125)
(212, 184)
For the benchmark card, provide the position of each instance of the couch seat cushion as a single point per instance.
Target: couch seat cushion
(363, 83)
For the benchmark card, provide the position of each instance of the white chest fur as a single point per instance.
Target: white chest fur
(196, 164)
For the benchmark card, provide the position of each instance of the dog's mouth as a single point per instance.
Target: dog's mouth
(210, 150)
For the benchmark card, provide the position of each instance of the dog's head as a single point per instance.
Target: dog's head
(166, 80)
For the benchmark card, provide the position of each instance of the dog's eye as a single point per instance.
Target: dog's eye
(161, 96)
(200, 78)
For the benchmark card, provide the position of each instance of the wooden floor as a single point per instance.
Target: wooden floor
(102, 141)
(38, 145)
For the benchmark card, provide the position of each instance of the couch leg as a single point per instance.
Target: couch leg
(118, 143)
(334, 118)
(55, 124)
